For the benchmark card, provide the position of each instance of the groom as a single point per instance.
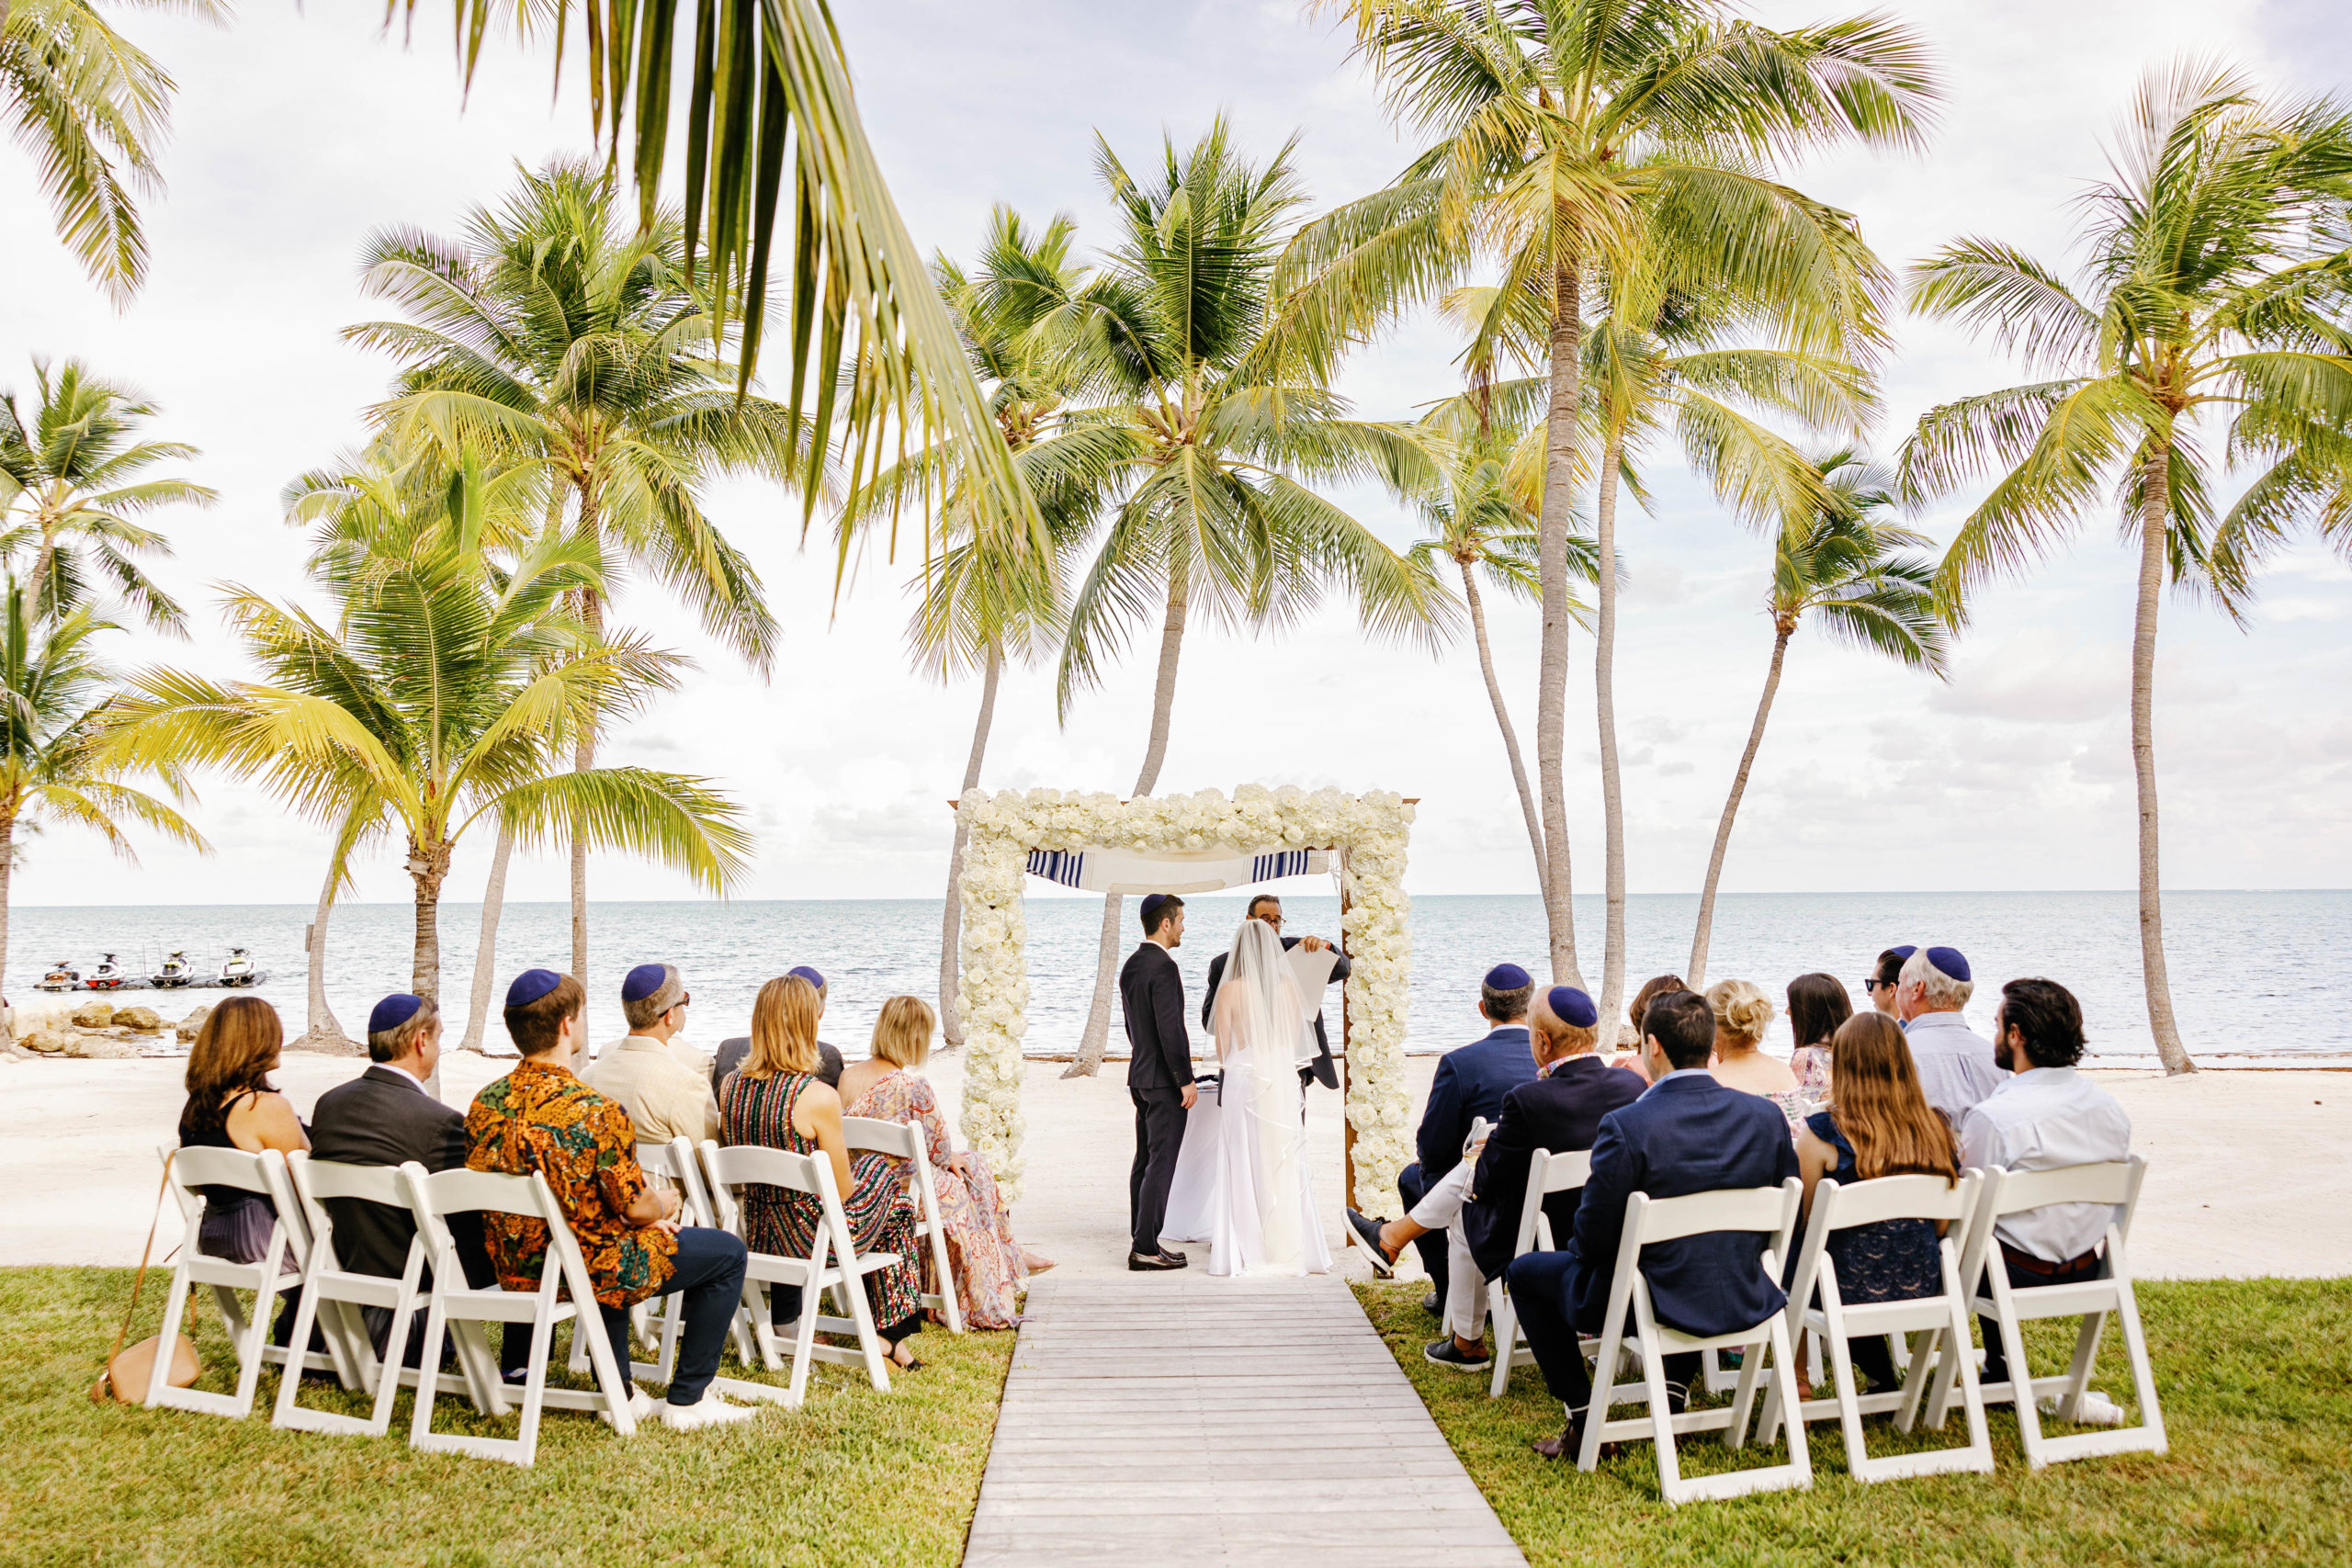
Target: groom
(1160, 1076)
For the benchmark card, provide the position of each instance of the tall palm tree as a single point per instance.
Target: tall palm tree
(2213, 294)
(1838, 563)
(92, 108)
(53, 686)
(1568, 131)
(1201, 455)
(74, 485)
(552, 330)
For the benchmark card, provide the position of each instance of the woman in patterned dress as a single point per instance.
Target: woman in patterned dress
(1743, 1014)
(989, 1264)
(1817, 1005)
(777, 1101)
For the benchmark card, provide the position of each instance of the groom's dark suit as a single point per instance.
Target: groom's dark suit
(1151, 995)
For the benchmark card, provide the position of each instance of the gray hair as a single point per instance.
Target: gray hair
(646, 1011)
(1943, 992)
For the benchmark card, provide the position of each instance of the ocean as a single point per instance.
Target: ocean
(2255, 976)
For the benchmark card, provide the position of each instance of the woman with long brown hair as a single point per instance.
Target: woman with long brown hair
(233, 1105)
(1817, 1005)
(1878, 1123)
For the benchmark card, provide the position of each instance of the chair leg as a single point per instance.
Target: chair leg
(2078, 1373)
(1784, 1377)
(1669, 1466)
(2144, 1376)
(1744, 1396)
(250, 1343)
(388, 1369)
(1506, 1343)
(306, 1313)
(2021, 1387)
(428, 1388)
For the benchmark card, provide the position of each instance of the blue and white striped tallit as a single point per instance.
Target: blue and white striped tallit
(1098, 870)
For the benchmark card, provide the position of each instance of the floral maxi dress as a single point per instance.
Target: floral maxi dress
(979, 1221)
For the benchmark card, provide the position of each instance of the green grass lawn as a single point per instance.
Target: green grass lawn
(2254, 1377)
(852, 1477)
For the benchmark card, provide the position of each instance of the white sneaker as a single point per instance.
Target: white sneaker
(2094, 1409)
(640, 1408)
(710, 1411)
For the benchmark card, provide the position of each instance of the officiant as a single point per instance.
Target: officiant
(1267, 907)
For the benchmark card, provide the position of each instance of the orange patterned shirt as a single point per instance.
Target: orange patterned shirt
(541, 1118)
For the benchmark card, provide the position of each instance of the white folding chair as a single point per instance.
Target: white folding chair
(1939, 1320)
(2115, 1183)
(1769, 1211)
(903, 1141)
(833, 1263)
(457, 1308)
(1547, 1173)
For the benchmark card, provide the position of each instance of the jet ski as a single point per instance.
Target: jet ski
(62, 976)
(107, 977)
(239, 969)
(175, 971)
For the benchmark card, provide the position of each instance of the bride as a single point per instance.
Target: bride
(1262, 1216)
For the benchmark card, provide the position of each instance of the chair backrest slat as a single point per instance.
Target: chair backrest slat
(206, 1166)
(2109, 1182)
(1731, 1209)
(1564, 1172)
(1894, 1197)
(466, 1192)
(896, 1139)
(661, 1161)
(321, 1179)
(739, 1165)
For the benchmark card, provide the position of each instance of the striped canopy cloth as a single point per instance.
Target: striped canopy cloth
(1098, 870)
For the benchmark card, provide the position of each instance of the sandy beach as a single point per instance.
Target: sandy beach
(2247, 1170)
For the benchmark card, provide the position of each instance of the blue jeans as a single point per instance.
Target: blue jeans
(709, 1270)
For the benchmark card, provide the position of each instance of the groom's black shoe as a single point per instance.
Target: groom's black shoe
(1367, 1229)
(1153, 1262)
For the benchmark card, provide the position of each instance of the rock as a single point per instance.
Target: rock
(147, 1020)
(93, 1015)
(49, 1042)
(192, 1022)
(104, 1047)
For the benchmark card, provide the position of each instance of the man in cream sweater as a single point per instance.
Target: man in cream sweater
(664, 1096)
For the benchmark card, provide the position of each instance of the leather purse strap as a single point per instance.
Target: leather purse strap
(137, 1284)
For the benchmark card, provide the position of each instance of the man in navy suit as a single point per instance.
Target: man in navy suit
(1688, 1133)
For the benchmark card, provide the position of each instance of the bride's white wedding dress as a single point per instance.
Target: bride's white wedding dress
(1261, 1210)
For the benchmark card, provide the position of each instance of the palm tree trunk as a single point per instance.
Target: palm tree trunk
(1091, 1044)
(951, 923)
(1697, 973)
(2155, 513)
(1551, 575)
(320, 1026)
(428, 866)
(494, 901)
(584, 758)
(7, 854)
(1502, 721)
(48, 557)
(1604, 692)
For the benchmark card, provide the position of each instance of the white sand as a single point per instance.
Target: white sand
(2248, 1169)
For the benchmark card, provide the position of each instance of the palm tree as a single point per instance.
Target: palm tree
(92, 108)
(72, 489)
(2213, 289)
(551, 330)
(1571, 134)
(1840, 563)
(1199, 451)
(53, 687)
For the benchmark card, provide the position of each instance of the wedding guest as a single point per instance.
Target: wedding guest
(1885, 977)
(1686, 1134)
(1878, 1123)
(1160, 1078)
(989, 1264)
(541, 1118)
(2044, 1116)
(1652, 988)
(1267, 907)
(231, 1104)
(1817, 1005)
(776, 1099)
(663, 1099)
(1955, 1062)
(1742, 1013)
(732, 1050)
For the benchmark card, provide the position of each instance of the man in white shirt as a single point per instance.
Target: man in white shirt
(2046, 1116)
(1955, 1062)
(664, 1096)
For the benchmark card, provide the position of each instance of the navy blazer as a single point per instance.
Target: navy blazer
(1151, 999)
(1471, 1081)
(1560, 1114)
(1325, 1074)
(1684, 1136)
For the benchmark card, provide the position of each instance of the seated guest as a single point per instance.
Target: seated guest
(1470, 1083)
(1742, 1014)
(989, 1264)
(1652, 988)
(1817, 1005)
(776, 1099)
(539, 1117)
(1878, 1125)
(233, 1105)
(2045, 1116)
(1686, 1134)
(664, 1099)
(1955, 1062)
(1886, 978)
(732, 1050)
(387, 1116)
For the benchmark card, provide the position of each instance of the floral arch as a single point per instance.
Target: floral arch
(1368, 832)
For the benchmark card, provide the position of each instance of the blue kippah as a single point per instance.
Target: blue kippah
(1950, 961)
(393, 1011)
(1152, 903)
(643, 981)
(1906, 951)
(1508, 977)
(1572, 1005)
(807, 973)
(530, 985)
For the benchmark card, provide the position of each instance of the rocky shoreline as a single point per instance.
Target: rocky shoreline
(99, 1029)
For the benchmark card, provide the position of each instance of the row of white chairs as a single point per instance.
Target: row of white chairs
(1942, 1364)
(300, 1261)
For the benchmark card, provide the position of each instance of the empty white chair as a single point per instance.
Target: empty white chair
(455, 1307)
(1940, 1319)
(1769, 1211)
(904, 1140)
(2114, 1182)
(832, 1263)
(1547, 1173)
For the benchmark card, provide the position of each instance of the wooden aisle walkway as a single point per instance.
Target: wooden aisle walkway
(1158, 1421)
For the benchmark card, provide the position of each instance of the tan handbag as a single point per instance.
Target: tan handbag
(129, 1371)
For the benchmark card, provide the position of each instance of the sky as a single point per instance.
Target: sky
(297, 134)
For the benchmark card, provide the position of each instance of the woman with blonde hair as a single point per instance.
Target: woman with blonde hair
(1743, 1012)
(988, 1262)
(233, 1105)
(777, 1101)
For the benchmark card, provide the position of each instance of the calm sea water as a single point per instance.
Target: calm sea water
(2253, 974)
